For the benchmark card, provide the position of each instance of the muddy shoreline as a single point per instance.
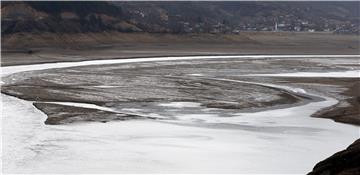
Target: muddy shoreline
(60, 114)
(48, 48)
(347, 110)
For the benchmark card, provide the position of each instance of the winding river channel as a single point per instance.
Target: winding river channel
(285, 140)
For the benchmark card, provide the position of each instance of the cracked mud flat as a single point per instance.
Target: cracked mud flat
(180, 116)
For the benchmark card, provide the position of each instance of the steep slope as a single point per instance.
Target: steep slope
(62, 17)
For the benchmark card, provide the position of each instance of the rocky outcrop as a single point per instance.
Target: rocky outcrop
(346, 162)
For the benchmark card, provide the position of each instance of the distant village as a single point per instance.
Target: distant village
(276, 26)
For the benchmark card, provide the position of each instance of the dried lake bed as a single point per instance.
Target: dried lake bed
(233, 114)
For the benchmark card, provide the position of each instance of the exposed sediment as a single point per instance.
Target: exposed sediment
(347, 110)
(62, 114)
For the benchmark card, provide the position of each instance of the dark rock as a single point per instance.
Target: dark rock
(346, 162)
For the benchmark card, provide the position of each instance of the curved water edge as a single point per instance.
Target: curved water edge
(342, 74)
(7, 70)
(287, 134)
